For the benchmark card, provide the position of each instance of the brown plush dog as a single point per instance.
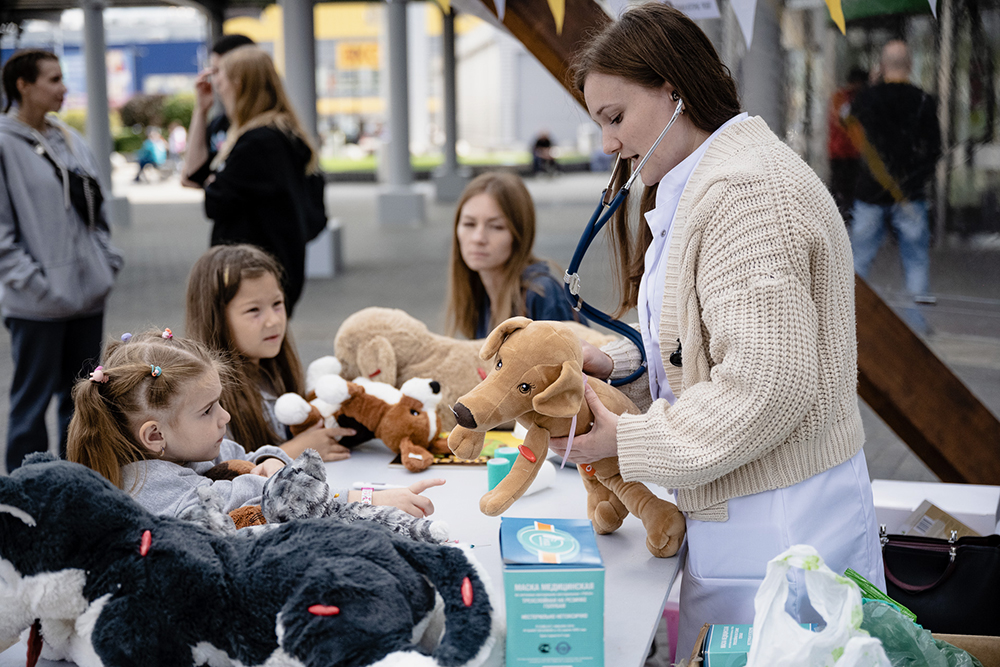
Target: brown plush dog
(537, 379)
(391, 346)
(406, 420)
(405, 423)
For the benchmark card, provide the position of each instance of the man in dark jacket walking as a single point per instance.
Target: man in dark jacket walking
(902, 144)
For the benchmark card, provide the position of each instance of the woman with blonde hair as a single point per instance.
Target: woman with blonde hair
(494, 273)
(264, 186)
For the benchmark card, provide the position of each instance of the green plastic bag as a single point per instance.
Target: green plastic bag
(906, 643)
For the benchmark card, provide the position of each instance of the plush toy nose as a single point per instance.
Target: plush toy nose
(435, 387)
(463, 416)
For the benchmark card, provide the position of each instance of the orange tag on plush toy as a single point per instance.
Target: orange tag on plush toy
(589, 469)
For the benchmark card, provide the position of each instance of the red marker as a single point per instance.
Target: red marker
(467, 592)
(324, 610)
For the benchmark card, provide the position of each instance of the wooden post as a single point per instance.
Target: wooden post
(921, 399)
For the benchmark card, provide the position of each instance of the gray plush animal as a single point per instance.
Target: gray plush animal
(300, 491)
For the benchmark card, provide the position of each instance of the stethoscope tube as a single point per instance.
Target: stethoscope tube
(602, 214)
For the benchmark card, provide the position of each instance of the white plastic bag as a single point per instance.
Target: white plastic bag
(779, 640)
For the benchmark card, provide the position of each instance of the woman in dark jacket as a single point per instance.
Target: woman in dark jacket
(264, 186)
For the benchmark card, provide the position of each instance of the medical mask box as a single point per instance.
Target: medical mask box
(729, 645)
(553, 579)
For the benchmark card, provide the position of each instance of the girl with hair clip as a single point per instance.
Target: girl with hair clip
(150, 420)
(235, 307)
(494, 273)
(261, 187)
(742, 278)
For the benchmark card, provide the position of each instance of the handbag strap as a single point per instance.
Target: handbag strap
(910, 588)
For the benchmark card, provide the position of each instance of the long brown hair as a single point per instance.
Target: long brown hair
(103, 432)
(214, 281)
(651, 45)
(466, 292)
(261, 101)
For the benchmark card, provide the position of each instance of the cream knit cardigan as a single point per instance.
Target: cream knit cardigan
(760, 291)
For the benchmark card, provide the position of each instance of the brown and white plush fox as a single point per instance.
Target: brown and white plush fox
(404, 419)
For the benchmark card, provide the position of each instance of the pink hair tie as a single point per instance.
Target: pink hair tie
(167, 333)
(98, 375)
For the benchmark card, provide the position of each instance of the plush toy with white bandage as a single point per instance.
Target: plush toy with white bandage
(405, 419)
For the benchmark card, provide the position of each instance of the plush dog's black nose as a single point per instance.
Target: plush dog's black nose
(435, 387)
(464, 416)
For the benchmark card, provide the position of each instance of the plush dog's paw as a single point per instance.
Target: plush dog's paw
(466, 444)
(297, 491)
(209, 513)
(334, 390)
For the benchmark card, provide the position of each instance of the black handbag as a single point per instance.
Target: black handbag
(953, 586)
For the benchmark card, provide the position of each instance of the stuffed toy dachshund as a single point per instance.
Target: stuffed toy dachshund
(102, 582)
(537, 379)
(391, 346)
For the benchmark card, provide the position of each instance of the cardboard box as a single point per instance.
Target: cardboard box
(929, 520)
(975, 505)
(554, 591)
(983, 648)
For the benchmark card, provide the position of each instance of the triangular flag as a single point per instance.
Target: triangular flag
(745, 11)
(501, 8)
(837, 14)
(558, 9)
(933, 4)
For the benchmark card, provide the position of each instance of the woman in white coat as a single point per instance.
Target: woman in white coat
(742, 278)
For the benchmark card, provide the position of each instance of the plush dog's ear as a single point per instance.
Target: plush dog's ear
(377, 360)
(564, 397)
(499, 335)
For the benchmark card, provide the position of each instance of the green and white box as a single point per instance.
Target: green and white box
(554, 591)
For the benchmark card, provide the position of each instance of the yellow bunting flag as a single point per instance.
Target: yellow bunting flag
(558, 9)
(445, 5)
(837, 14)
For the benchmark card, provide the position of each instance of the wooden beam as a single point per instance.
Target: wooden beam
(920, 398)
(912, 390)
(531, 22)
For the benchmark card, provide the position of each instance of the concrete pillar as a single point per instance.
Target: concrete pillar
(945, 84)
(98, 126)
(763, 71)
(300, 61)
(448, 180)
(418, 74)
(397, 203)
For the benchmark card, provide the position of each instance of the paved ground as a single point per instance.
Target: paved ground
(405, 268)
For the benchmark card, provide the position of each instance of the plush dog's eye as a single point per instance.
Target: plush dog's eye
(414, 412)
(499, 364)
(524, 387)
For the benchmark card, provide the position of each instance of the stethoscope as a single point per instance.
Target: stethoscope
(605, 209)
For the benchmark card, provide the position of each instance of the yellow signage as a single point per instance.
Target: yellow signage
(357, 55)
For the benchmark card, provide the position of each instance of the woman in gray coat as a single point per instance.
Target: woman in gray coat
(57, 265)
